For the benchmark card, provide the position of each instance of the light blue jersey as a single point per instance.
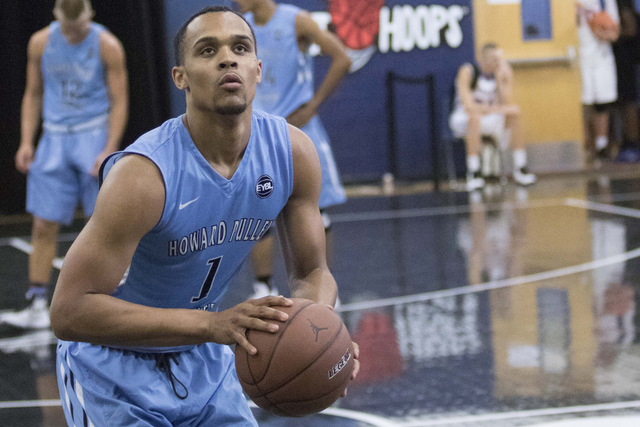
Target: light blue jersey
(75, 88)
(209, 223)
(287, 83)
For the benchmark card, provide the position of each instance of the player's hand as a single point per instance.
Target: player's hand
(605, 35)
(96, 165)
(301, 115)
(24, 158)
(356, 362)
(230, 326)
(356, 365)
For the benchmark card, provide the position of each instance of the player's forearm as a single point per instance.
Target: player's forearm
(339, 68)
(30, 117)
(318, 286)
(104, 320)
(117, 124)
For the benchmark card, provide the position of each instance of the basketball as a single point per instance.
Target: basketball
(357, 22)
(602, 21)
(304, 367)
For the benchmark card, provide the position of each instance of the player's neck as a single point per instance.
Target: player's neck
(264, 12)
(221, 139)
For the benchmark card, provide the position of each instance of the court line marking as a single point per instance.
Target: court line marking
(444, 210)
(371, 419)
(524, 414)
(26, 247)
(62, 237)
(602, 207)
(495, 284)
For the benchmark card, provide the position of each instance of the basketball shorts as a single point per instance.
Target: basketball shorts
(599, 81)
(103, 386)
(490, 124)
(332, 191)
(59, 176)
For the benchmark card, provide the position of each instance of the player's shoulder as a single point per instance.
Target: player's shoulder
(38, 40)
(159, 138)
(302, 147)
(109, 43)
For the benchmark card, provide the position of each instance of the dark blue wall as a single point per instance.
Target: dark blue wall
(355, 116)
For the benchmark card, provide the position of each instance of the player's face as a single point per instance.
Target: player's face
(220, 70)
(75, 30)
(490, 61)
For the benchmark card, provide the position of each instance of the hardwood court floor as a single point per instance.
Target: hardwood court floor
(510, 307)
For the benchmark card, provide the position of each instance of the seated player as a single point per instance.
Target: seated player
(483, 108)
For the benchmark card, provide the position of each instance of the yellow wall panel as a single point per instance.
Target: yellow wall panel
(548, 93)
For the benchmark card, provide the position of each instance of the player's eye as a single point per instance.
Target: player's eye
(208, 50)
(242, 48)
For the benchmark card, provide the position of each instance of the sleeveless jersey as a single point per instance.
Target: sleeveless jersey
(287, 73)
(484, 88)
(75, 89)
(209, 223)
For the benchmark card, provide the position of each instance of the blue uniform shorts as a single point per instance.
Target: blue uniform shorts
(104, 386)
(332, 191)
(59, 176)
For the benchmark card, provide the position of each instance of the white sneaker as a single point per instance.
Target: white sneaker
(523, 177)
(474, 181)
(36, 316)
(261, 290)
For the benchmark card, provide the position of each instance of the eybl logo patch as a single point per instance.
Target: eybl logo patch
(264, 187)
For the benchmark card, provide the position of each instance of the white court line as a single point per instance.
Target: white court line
(602, 207)
(62, 237)
(524, 414)
(444, 210)
(25, 247)
(495, 284)
(373, 420)
(14, 404)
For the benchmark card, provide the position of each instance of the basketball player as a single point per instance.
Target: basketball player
(284, 34)
(598, 70)
(183, 206)
(484, 108)
(77, 81)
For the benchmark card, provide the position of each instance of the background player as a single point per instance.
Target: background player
(484, 107)
(183, 206)
(284, 34)
(77, 81)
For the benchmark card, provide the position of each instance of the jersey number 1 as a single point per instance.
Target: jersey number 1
(208, 282)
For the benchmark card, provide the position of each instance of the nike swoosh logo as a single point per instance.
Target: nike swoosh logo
(184, 205)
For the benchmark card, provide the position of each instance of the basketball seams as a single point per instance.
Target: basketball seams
(320, 353)
(315, 398)
(275, 346)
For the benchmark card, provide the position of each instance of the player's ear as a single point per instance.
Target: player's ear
(259, 79)
(180, 78)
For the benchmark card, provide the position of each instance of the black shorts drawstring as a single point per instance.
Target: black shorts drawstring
(163, 363)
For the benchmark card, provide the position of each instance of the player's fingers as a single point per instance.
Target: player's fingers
(356, 350)
(274, 301)
(344, 393)
(243, 342)
(271, 314)
(356, 369)
(260, 325)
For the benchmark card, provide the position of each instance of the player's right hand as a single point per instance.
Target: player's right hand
(24, 158)
(230, 326)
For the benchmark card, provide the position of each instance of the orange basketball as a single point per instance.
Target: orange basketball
(304, 367)
(602, 21)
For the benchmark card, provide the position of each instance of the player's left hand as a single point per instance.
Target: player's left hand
(356, 362)
(356, 365)
(301, 115)
(96, 165)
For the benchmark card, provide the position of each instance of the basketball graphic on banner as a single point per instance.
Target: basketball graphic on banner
(357, 22)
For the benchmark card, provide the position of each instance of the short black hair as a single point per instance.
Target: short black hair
(178, 41)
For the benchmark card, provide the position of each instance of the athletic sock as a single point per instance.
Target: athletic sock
(602, 142)
(473, 163)
(519, 159)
